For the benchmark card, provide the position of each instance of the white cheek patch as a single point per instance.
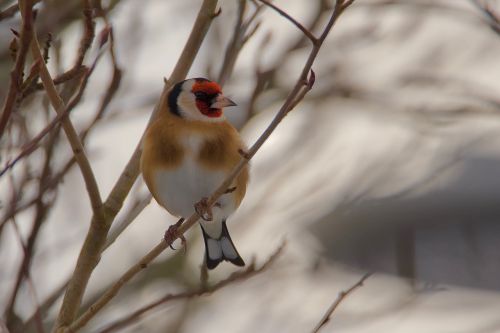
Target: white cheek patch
(187, 106)
(188, 109)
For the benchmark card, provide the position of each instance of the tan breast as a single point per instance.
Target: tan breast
(163, 148)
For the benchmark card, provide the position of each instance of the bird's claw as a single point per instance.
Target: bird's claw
(245, 154)
(172, 234)
(203, 209)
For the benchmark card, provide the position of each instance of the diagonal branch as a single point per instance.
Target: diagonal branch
(492, 17)
(342, 295)
(302, 83)
(238, 276)
(299, 25)
(33, 144)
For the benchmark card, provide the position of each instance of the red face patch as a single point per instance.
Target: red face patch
(208, 87)
(207, 110)
(205, 91)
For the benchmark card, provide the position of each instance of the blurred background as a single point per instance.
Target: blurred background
(390, 165)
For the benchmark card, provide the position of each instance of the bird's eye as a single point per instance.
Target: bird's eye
(201, 95)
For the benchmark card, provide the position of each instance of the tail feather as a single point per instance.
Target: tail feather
(217, 250)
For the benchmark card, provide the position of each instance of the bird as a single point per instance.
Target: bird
(187, 152)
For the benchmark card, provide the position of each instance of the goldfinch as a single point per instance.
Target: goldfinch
(187, 153)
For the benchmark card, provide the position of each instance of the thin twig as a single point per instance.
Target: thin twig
(137, 207)
(238, 276)
(85, 43)
(114, 84)
(12, 10)
(26, 273)
(266, 78)
(16, 75)
(342, 295)
(53, 181)
(304, 30)
(88, 35)
(286, 107)
(492, 17)
(9, 11)
(31, 146)
(41, 211)
(241, 35)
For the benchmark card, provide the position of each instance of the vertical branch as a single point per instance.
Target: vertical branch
(16, 74)
(96, 236)
(76, 145)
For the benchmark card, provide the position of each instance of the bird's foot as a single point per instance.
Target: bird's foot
(244, 153)
(172, 234)
(203, 209)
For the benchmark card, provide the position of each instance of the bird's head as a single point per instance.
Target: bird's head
(198, 99)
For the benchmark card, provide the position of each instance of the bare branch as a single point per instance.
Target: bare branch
(50, 184)
(238, 276)
(304, 30)
(137, 207)
(24, 272)
(16, 75)
(113, 85)
(492, 16)
(39, 217)
(88, 34)
(241, 35)
(85, 43)
(12, 10)
(342, 295)
(31, 146)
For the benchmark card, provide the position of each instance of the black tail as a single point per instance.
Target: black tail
(217, 250)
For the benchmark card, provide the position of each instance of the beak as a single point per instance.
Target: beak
(221, 101)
